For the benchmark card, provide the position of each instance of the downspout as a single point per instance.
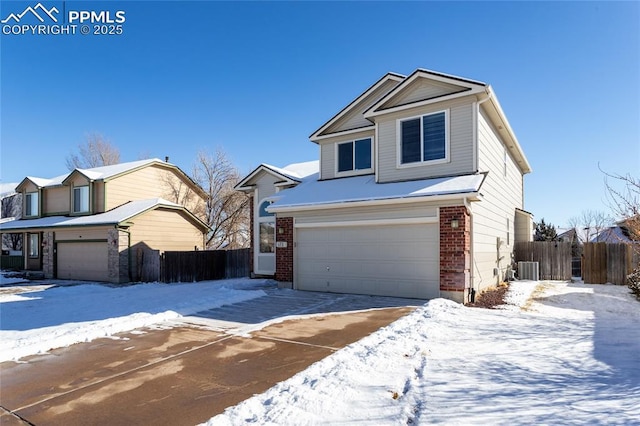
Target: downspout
(472, 289)
(129, 271)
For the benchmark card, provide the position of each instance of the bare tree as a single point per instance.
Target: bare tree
(624, 198)
(96, 151)
(179, 192)
(226, 210)
(589, 225)
(624, 201)
(11, 206)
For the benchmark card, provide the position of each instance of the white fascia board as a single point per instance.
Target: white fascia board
(343, 133)
(431, 75)
(374, 112)
(242, 185)
(379, 202)
(389, 76)
(526, 167)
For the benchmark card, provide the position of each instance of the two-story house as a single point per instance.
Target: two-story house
(419, 192)
(95, 224)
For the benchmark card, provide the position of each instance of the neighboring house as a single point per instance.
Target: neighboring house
(94, 224)
(418, 193)
(10, 202)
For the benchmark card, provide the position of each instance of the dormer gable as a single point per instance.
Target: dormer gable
(288, 176)
(351, 118)
(421, 88)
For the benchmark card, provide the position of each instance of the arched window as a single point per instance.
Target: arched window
(267, 228)
(263, 209)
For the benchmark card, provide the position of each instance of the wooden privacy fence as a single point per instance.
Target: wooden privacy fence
(607, 263)
(190, 266)
(553, 257)
(12, 262)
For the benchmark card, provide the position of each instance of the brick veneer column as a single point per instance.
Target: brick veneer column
(455, 249)
(284, 255)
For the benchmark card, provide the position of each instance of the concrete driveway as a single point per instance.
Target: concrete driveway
(187, 373)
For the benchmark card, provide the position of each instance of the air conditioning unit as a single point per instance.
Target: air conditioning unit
(529, 271)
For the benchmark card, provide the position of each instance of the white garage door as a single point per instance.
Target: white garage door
(83, 261)
(390, 260)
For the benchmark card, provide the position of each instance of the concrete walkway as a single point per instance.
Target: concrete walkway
(187, 374)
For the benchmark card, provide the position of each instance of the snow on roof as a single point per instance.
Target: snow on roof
(114, 216)
(105, 172)
(613, 234)
(7, 189)
(297, 171)
(364, 188)
(94, 173)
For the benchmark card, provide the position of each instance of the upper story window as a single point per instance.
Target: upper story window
(354, 155)
(31, 204)
(81, 199)
(424, 139)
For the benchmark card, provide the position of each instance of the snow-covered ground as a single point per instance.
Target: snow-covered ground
(558, 353)
(44, 317)
(568, 357)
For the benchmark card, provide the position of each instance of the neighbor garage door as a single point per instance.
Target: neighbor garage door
(83, 261)
(389, 260)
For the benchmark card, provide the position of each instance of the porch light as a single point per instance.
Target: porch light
(280, 230)
(454, 223)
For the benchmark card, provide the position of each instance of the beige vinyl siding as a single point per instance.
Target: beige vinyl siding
(460, 143)
(354, 119)
(523, 226)
(145, 183)
(88, 233)
(98, 197)
(422, 210)
(165, 230)
(494, 217)
(57, 200)
(422, 89)
(328, 151)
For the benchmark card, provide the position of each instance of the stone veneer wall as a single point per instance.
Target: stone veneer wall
(48, 241)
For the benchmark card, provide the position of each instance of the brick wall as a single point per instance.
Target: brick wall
(455, 249)
(284, 255)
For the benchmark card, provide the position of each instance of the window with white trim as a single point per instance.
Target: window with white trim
(267, 228)
(354, 155)
(81, 199)
(31, 204)
(34, 245)
(424, 139)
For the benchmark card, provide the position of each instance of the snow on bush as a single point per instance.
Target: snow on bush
(633, 281)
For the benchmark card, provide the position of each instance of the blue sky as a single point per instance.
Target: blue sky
(257, 78)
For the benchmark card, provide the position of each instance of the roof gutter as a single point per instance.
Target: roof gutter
(525, 166)
(473, 196)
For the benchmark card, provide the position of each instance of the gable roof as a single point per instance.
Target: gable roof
(290, 175)
(424, 87)
(360, 104)
(105, 173)
(452, 86)
(315, 194)
(114, 216)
